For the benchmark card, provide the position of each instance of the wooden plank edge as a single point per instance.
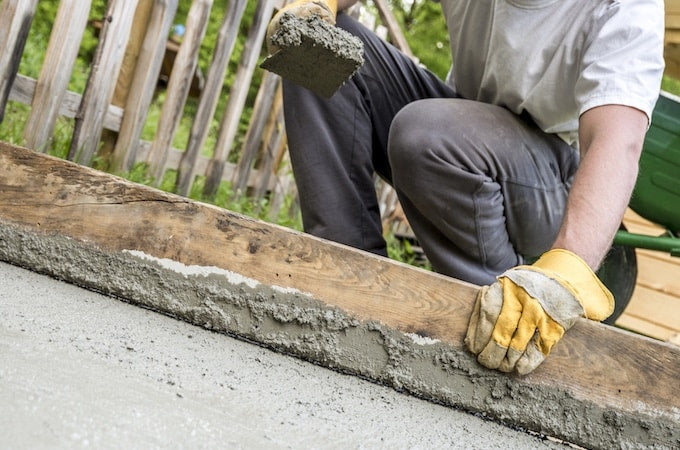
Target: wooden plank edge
(336, 306)
(643, 326)
(657, 307)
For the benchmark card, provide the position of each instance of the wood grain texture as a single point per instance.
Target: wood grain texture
(659, 271)
(178, 87)
(55, 74)
(24, 88)
(15, 21)
(224, 47)
(656, 307)
(143, 84)
(593, 362)
(237, 96)
(642, 325)
(102, 80)
(262, 109)
(653, 308)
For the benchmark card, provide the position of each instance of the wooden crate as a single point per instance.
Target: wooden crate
(672, 40)
(654, 309)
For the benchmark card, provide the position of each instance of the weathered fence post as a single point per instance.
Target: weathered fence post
(178, 87)
(272, 144)
(393, 28)
(237, 98)
(15, 22)
(261, 111)
(224, 47)
(125, 75)
(56, 71)
(283, 188)
(143, 84)
(102, 81)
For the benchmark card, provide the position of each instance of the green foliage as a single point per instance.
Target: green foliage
(400, 249)
(671, 85)
(139, 174)
(425, 31)
(424, 28)
(12, 128)
(259, 208)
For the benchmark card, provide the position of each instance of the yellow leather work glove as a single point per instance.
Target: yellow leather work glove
(325, 9)
(519, 318)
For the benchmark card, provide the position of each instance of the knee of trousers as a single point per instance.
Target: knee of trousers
(412, 144)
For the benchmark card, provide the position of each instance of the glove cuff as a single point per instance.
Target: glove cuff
(575, 275)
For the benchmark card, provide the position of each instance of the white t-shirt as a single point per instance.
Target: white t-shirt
(555, 59)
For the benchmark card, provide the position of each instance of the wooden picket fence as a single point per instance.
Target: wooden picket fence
(124, 74)
(113, 108)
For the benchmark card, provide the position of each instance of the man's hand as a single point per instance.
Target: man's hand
(518, 319)
(325, 9)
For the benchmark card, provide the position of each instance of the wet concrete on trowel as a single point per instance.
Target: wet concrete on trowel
(314, 54)
(80, 369)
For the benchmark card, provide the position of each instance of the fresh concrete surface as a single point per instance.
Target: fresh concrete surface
(79, 369)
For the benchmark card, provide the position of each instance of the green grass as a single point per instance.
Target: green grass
(402, 250)
(671, 85)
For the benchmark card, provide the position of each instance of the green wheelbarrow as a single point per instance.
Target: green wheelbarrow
(656, 197)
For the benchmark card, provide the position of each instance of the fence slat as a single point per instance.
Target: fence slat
(224, 47)
(270, 151)
(55, 74)
(178, 87)
(253, 139)
(284, 187)
(143, 84)
(238, 96)
(102, 80)
(15, 22)
(393, 28)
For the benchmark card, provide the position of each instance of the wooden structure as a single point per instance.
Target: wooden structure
(654, 309)
(123, 78)
(599, 381)
(672, 44)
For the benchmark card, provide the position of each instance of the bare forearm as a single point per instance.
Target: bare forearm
(611, 142)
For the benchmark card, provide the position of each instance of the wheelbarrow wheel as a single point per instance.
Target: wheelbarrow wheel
(619, 273)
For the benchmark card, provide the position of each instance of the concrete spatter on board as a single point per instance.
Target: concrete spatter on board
(194, 270)
(297, 324)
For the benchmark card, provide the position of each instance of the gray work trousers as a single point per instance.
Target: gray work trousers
(482, 188)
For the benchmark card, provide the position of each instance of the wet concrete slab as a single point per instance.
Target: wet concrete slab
(80, 369)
